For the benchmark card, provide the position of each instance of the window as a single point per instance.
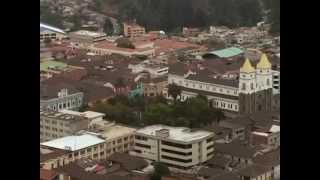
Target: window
(88, 150)
(70, 155)
(125, 139)
(183, 146)
(82, 152)
(113, 142)
(176, 152)
(176, 159)
(251, 85)
(119, 141)
(268, 82)
(243, 86)
(102, 153)
(95, 149)
(143, 145)
(101, 146)
(141, 138)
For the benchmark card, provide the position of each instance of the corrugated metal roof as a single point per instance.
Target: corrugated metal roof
(74, 143)
(228, 52)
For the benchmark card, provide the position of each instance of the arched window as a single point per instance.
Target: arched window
(243, 86)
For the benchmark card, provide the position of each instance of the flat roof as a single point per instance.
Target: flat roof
(62, 116)
(228, 52)
(182, 134)
(74, 143)
(87, 114)
(110, 130)
(89, 33)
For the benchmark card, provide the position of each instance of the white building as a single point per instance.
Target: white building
(79, 146)
(276, 81)
(251, 93)
(92, 116)
(50, 32)
(83, 38)
(155, 70)
(178, 147)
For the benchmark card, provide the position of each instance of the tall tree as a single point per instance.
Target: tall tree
(174, 91)
(108, 27)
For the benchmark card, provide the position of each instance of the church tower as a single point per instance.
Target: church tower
(264, 85)
(247, 88)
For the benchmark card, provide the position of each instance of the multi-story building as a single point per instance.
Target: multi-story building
(154, 86)
(74, 148)
(83, 38)
(251, 92)
(118, 138)
(276, 81)
(177, 147)
(93, 117)
(52, 33)
(55, 124)
(51, 99)
(133, 30)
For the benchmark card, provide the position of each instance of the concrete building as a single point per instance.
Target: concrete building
(118, 138)
(276, 82)
(52, 33)
(108, 48)
(269, 138)
(55, 125)
(251, 93)
(83, 38)
(93, 117)
(154, 86)
(153, 69)
(177, 147)
(133, 30)
(63, 99)
(76, 147)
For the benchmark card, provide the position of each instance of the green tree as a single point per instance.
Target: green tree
(174, 91)
(124, 43)
(161, 169)
(108, 27)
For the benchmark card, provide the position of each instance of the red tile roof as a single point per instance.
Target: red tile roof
(47, 174)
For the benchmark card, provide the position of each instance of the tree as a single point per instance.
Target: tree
(174, 91)
(219, 115)
(108, 27)
(161, 169)
(124, 43)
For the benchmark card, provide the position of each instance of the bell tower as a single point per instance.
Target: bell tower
(247, 88)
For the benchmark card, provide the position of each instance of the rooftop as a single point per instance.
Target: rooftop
(236, 149)
(61, 116)
(74, 143)
(114, 131)
(128, 162)
(87, 114)
(181, 134)
(254, 170)
(226, 53)
(89, 33)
